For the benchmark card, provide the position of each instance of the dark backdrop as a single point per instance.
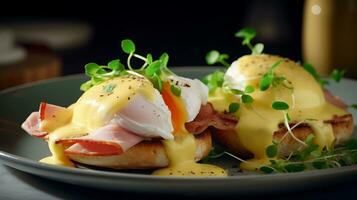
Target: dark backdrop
(184, 30)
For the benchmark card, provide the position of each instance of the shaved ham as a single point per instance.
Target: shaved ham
(48, 110)
(334, 100)
(209, 117)
(111, 139)
(32, 124)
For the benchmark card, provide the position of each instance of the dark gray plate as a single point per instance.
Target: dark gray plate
(20, 151)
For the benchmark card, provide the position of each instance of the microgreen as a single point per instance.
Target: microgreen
(266, 169)
(236, 91)
(116, 66)
(337, 75)
(248, 34)
(218, 151)
(214, 57)
(247, 99)
(214, 80)
(233, 107)
(309, 68)
(154, 70)
(311, 157)
(249, 89)
(175, 90)
(149, 58)
(280, 105)
(272, 150)
(128, 46)
(269, 77)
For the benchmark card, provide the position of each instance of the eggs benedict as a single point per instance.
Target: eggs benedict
(130, 119)
(280, 103)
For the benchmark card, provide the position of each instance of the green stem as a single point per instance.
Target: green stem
(250, 47)
(233, 156)
(286, 123)
(128, 61)
(140, 57)
(143, 59)
(224, 63)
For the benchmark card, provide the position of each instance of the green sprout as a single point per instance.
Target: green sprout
(154, 70)
(248, 34)
(214, 57)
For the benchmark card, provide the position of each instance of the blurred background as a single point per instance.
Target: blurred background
(59, 38)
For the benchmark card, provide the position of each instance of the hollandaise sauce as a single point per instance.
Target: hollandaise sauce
(181, 151)
(258, 121)
(95, 108)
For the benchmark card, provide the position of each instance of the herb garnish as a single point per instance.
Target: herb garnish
(245, 97)
(271, 79)
(154, 70)
(175, 90)
(335, 75)
(280, 105)
(214, 57)
(311, 157)
(272, 150)
(214, 80)
(233, 107)
(248, 34)
(217, 152)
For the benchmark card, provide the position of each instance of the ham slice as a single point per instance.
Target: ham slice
(209, 117)
(48, 110)
(108, 140)
(334, 100)
(32, 125)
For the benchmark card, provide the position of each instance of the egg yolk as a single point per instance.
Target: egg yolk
(181, 151)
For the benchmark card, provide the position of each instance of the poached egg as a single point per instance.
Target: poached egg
(258, 121)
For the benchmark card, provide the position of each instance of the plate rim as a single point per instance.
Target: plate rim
(9, 157)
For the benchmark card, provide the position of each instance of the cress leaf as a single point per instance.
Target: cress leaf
(280, 105)
(91, 69)
(233, 107)
(116, 65)
(128, 46)
(176, 90)
(249, 89)
(272, 150)
(247, 34)
(258, 48)
(337, 75)
(153, 68)
(247, 99)
(212, 57)
(164, 58)
(149, 59)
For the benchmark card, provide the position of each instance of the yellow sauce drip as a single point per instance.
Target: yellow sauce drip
(258, 122)
(181, 153)
(182, 150)
(94, 109)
